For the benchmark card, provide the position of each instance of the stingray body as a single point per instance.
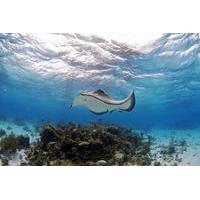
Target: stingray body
(99, 102)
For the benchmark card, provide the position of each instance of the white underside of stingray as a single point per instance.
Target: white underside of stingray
(99, 102)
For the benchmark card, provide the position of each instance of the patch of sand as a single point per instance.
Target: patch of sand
(29, 129)
(191, 156)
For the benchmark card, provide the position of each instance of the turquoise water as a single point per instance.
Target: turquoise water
(40, 74)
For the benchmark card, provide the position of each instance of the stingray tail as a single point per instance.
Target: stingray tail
(131, 98)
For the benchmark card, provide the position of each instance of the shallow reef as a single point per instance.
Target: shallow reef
(95, 144)
(11, 143)
(11, 147)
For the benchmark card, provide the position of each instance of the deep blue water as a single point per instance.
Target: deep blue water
(40, 74)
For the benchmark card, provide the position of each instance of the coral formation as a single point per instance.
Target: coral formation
(96, 144)
(2, 132)
(11, 143)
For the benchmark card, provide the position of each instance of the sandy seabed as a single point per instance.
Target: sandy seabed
(189, 156)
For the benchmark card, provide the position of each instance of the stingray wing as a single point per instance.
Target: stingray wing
(101, 94)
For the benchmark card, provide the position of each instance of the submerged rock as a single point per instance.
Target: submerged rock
(119, 157)
(84, 144)
(157, 163)
(4, 160)
(23, 163)
(101, 163)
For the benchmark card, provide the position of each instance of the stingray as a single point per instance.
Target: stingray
(99, 102)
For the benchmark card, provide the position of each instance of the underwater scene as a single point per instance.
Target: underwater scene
(72, 99)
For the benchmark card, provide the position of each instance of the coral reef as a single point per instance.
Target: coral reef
(11, 143)
(96, 144)
(12, 147)
(2, 132)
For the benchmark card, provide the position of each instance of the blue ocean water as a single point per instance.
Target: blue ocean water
(40, 74)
